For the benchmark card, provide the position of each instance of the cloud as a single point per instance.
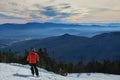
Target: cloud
(12, 3)
(60, 10)
(100, 10)
(49, 11)
(9, 17)
(65, 6)
(5, 16)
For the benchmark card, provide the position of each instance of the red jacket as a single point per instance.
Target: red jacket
(32, 57)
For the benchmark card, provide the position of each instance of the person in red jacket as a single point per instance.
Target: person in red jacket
(33, 58)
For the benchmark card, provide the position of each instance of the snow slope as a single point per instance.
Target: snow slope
(14, 71)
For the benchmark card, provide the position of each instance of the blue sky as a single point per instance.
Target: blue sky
(65, 11)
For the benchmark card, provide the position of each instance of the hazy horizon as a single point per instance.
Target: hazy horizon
(45, 30)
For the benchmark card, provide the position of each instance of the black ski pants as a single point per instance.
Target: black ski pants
(34, 69)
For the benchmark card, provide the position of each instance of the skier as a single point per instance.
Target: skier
(33, 58)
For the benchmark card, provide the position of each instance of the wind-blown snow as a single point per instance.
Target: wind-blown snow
(14, 71)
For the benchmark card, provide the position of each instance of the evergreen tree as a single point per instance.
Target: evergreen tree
(79, 67)
(62, 67)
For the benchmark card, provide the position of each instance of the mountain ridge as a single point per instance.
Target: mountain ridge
(74, 48)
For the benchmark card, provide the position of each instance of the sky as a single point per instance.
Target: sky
(60, 11)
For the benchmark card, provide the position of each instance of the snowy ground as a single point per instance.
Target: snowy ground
(22, 72)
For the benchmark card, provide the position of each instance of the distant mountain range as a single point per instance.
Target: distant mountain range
(11, 26)
(43, 30)
(74, 48)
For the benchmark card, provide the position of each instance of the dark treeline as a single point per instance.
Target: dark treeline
(61, 67)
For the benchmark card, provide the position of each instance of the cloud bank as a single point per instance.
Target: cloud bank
(71, 11)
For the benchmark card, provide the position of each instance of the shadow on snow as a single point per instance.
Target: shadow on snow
(21, 75)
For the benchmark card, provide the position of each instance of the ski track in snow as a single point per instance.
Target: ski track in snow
(13, 71)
